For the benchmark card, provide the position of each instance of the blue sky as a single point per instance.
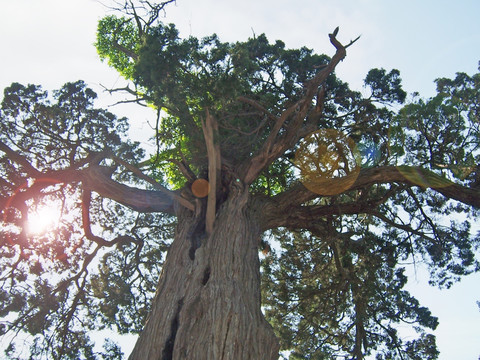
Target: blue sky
(50, 42)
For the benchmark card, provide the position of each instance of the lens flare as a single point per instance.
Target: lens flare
(370, 153)
(42, 220)
(423, 178)
(200, 188)
(329, 162)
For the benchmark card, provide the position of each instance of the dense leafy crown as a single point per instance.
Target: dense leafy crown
(331, 287)
(184, 77)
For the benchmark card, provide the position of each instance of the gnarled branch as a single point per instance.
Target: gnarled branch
(291, 200)
(277, 144)
(137, 199)
(141, 175)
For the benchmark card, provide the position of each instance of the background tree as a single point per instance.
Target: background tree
(251, 118)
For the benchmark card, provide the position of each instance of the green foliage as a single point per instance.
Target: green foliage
(50, 288)
(60, 134)
(114, 34)
(113, 351)
(339, 291)
(184, 77)
(444, 130)
(386, 87)
(332, 288)
(125, 284)
(341, 296)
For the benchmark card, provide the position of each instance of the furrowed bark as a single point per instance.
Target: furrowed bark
(208, 308)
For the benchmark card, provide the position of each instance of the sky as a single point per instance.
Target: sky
(50, 42)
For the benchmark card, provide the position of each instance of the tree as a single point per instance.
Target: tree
(293, 203)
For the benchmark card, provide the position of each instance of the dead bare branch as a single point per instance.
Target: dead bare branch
(144, 12)
(137, 100)
(210, 132)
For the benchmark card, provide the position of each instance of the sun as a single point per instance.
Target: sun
(42, 219)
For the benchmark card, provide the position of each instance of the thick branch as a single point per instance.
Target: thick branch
(141, 175)
(21, 160)
(276, 145)
(429, 179)
(282, 206)
(96, 179)
(304, 217)
(125, 50)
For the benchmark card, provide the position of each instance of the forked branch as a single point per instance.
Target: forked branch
(292, 119)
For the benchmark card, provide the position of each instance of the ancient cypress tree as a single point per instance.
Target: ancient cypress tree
(275, 213)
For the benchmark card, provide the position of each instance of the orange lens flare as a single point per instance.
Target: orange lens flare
(200, 188)
(329, 162)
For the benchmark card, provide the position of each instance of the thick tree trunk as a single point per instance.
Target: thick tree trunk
(207, 304)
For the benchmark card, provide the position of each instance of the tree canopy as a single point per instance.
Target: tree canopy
(355, 187)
